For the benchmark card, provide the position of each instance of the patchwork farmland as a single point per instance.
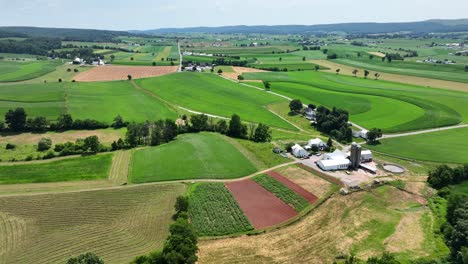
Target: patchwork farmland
(269, 144)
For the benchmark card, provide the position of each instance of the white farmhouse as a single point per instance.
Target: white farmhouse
(299, 152)
(316, 142)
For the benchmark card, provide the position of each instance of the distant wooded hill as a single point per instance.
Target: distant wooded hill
(66, 34)
(429, 26)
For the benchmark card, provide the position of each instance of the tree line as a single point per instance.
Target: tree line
(164, 131)
(36, 46)
(17, 121)
(455, 227)
(334, 123)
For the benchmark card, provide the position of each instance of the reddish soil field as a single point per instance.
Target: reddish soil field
(262, 208)
(293, 186)
(117, 72)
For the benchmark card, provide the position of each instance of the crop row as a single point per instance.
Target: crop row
(284, 193)
(214, 211)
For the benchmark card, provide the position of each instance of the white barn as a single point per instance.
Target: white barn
(299, 152)
(334, 161)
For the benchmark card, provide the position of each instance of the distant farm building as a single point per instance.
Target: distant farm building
(309, 113)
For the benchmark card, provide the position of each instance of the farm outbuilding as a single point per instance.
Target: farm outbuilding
(299, 152)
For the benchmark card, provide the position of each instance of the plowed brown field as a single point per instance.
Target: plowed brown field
(262, 208)
(116, 72)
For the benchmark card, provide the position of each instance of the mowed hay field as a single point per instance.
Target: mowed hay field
(117, 72)
(116, 224)
(190, 156)
(374, 103)
(360, 223)
(442, 146)
(14, 71)
(69, 169)
(212, 94)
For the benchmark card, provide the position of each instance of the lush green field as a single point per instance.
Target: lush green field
(287, 195)
(73, 169)
(212, 94)
(145, 56)
(116, 224)
(101, 101)
(449, 146)
(13, 71)
(215, 212)
(190, 156)
(105, 100)
(420, 107)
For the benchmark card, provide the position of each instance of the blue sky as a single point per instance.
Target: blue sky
(151, 14)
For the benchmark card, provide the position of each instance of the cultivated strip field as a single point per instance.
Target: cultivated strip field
(421, 81)
(236, 71)
(311, 198)
(117, 72)
(119, 169)
(310, 182)
(115, 224)
(360, 223)
(262, 208)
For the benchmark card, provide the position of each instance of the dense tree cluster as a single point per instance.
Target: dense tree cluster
(87, 258)
(385, 258)
(334, 122)
(223, 61)
(373, 135)
(456, 228)
(35, 46)
(151, 133)
(444, 176)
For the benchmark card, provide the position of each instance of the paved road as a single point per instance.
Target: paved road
(423, 131)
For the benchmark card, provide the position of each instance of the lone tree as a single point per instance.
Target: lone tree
(280, 58)
(112, 57)
(88, 258)
(373, 135)
(267, 85)
(129, 77)
(355, 71)
(330, 142)
(466, 68)
(317, 67)
(131, 58)
(376, 75)
(295, 105)
(304, 58)
(92, 144)
(262, 133)
(338, 71)
(44, 144)
(154, 63)
(220, 71)
(366, 73)
(240, 77)
(16, 119)
(236, 128)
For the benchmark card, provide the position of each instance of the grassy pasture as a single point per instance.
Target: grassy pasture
(72, 169)
(116, 224)
(214, 95)
(287, 195)
(241, 50)
(13, 71)
(191, 156)
(443, 146)
(215, 212)
(441, 107)
(105, 100)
